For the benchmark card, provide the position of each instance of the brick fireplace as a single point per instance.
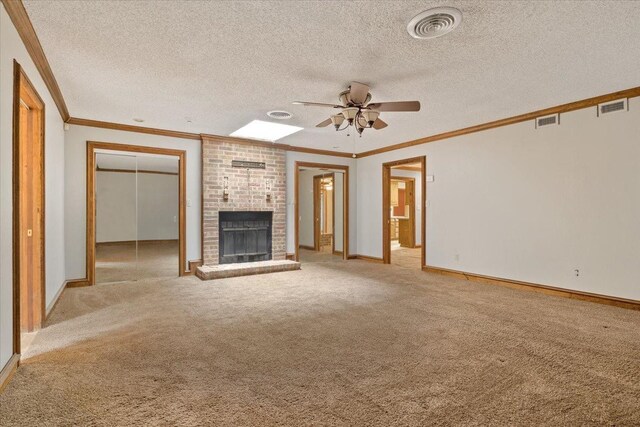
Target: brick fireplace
(247, 190)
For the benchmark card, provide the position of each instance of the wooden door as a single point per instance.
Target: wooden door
(29, 206)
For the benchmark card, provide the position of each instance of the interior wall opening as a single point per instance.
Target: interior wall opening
(321, 212)
(403, 213)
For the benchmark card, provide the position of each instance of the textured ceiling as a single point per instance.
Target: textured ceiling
(223, 64)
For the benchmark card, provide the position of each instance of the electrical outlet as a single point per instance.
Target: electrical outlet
(577, 272)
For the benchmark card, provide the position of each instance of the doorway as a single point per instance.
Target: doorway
(321, 212)
(324, 213)
(404, 218)
(28, 213)
(136, 212)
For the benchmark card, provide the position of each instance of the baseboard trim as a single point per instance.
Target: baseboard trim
(290, 257)
(56, 298)
(77, 283)
(367, 258)
(337, 253)
(193, 264)
(534, 287)
(9, 369)
(311, 248)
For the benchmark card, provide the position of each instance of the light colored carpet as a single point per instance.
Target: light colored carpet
(117, 262)
(337, 343)
(405, 257)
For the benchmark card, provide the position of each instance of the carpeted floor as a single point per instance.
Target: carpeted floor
(405, 257)
(337, 343)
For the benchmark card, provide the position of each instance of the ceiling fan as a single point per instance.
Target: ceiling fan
(356, 109)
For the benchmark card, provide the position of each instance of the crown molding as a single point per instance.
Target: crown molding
(133, 128)
(18, 14)
(286, 147)
(577, 105)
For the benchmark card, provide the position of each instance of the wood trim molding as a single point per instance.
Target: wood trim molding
(200, 137)
(193, 265)
(311, 248)
(386, 188)
(345, 204)
(564, 108)
(9, 369)
(545, 289)
(18, 14)
(92, 147)
(56, 298)
(369, 258)
(286, 147)
(132, 128)
(290, 256)
(77, 283)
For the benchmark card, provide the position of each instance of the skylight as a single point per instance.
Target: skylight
(265, 131)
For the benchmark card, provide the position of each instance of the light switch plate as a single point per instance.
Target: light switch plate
(430, 178)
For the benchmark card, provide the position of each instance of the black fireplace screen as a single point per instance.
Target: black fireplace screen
(245, 236)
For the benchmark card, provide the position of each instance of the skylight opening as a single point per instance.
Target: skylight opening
(265, 131)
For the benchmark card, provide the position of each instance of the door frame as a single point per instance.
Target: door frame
(21, 81)
(345, 204)
(317, 211)
(92, 146)
(386, 190)
(412, 205)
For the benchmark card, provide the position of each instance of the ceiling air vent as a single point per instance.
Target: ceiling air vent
(610, 107)
(434, 22)
(279, 115)
(553, 119)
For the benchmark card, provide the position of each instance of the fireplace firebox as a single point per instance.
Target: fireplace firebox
(245, 236)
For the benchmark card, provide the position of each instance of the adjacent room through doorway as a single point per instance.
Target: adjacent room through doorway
(403, 213)
(321, 226)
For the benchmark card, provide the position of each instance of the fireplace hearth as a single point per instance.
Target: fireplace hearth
(245, 236)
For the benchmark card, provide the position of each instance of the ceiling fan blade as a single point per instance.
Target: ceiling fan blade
(395, 106)
(316, 104)
(324, 123)
(358, 92)
(379, 124)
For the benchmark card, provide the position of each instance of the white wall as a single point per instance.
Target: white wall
(526, 204)
(11, 48)
(292, 158)
(75, 181)
(305, 199)
(418, 196)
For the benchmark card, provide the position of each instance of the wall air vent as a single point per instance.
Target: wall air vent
(553, 119)
(610, 107)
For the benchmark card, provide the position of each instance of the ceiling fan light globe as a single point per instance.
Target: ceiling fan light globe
(337, 119)
(370, 116)
(349, 113)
